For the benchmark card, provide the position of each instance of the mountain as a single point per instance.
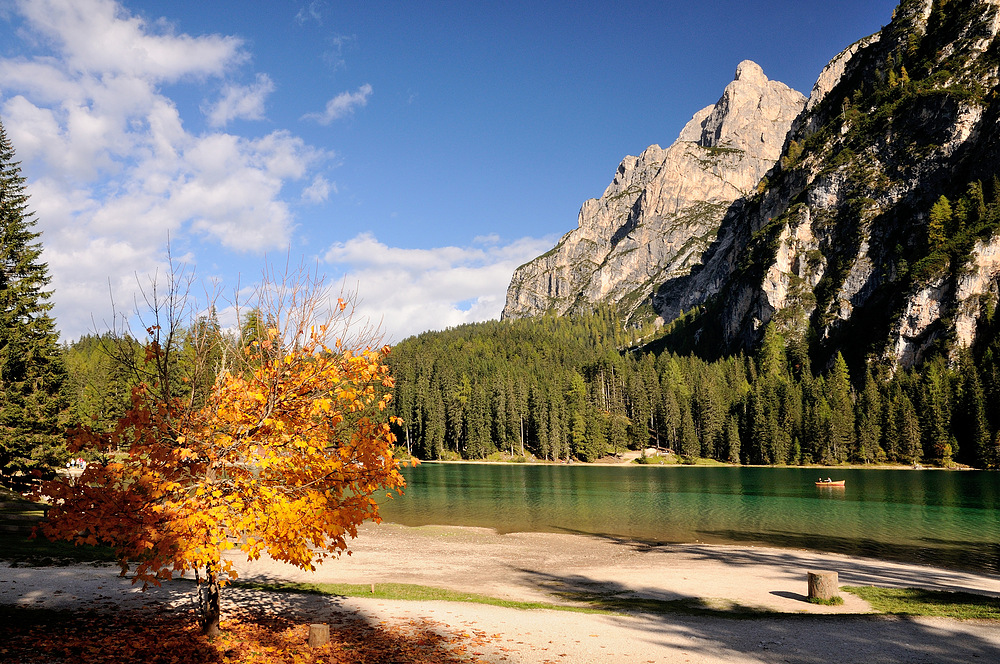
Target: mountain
(869, 229)
(876, 234)
(662, 211)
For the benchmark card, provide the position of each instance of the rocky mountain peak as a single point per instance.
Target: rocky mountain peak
(751, 115)
(844, 249)
(662, 208)
(751, 72)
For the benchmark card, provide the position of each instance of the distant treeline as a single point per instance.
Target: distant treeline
(560, 387)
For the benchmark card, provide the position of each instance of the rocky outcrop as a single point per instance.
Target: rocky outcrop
(834, 245)
(836, 249)
(662, 210)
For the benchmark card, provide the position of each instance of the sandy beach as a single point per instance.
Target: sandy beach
(546, 567)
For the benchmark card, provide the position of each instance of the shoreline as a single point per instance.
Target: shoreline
(628, 461)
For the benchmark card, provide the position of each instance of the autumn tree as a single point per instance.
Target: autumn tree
(284, 455)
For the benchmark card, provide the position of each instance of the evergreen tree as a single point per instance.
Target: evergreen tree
(869, 423)
(31, 369)
(908, 426)
(970, 427)
(934, 417)
(732, 439)
(690, 447)
(841, 412)
(938, 223)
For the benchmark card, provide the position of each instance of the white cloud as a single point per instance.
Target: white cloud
(240, 102)
(341, 105)
(100, 37)
(310, 12)
(319, 190)
(112, 169)
(414, 290)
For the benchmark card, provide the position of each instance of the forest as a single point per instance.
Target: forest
(558, 388)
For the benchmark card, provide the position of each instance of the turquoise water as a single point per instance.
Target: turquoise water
(934, 517)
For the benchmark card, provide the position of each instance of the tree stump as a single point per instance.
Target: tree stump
(318, 635)
(823, 586)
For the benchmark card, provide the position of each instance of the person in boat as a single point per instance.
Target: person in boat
(828, 479)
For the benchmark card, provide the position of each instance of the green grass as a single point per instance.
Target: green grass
(20, 548)
(407, 591)
(898, 601)
(583, 601)
(836, 600)
(657, 460)
(920, 602)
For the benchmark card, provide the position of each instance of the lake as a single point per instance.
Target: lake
(943, 518)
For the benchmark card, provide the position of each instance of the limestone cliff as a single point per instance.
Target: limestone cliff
(840, 248)
(662, 210)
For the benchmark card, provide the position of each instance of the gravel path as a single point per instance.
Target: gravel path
(540, 566)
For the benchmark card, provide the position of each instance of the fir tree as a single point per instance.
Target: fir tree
(31, 369)
(841, 412)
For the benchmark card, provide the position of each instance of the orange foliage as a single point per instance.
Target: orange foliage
(284, 457)
(124, 638)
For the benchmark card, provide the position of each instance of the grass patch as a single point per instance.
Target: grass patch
(657, 459)
(583, 601)
(20, 548)
(408, 591)
(836, 600)
(920, 602)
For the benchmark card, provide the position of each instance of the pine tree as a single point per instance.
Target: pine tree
(839, 396)
(869, 426)
(938, 223)
(31, 369)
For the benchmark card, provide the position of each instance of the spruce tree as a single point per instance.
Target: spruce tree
(31, 370)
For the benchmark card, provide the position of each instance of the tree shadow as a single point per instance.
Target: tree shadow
(699, 627)
(798, 597)
(975, 556)
(164, 630)
(794, 551)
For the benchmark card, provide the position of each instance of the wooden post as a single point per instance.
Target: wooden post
(823, 586)
(319, 635)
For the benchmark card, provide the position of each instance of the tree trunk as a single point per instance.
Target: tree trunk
(319, 635)
(823, 585)
(209, 609)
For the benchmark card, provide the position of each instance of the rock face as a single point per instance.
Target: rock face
(663, 208)
(837, 249)
(836, 246)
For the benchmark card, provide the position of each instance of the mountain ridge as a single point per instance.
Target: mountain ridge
(663, 207)
(832, 241)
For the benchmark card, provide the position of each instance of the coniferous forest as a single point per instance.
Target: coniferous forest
(556, 388)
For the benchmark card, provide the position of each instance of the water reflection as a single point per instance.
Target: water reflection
(933, 517)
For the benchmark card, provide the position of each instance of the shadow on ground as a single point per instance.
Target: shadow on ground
(719, 631)
(254, 621)
(856, 571)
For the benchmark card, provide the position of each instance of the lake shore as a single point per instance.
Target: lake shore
(549, 566)
(629, 459)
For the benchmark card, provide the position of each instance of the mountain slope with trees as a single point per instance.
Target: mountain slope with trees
(556, 388)
(876, 234)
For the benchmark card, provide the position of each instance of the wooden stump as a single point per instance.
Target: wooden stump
(318, 635)
(823, 586)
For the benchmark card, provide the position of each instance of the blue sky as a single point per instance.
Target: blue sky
(415, 151)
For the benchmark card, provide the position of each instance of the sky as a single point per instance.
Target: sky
(415, 153)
